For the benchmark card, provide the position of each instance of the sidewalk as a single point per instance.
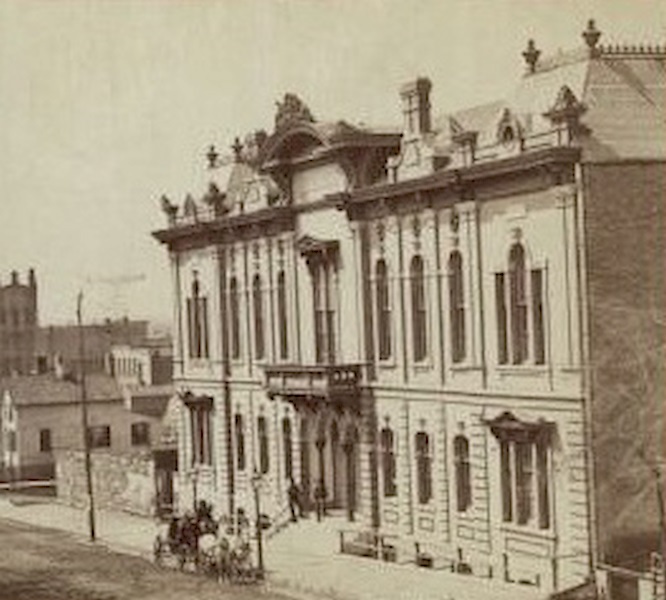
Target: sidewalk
(301, 560)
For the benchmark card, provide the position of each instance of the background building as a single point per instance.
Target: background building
(18, 325)
(452, 329)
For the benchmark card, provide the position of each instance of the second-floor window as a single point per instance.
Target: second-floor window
(283, 332)
(258, 306)
(324, 312)
(515, 321)
(456, 307)
(234, 311)
(419, 311)
(197, 320)
(383, 310)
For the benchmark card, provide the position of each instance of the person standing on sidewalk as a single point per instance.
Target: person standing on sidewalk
(320, 499)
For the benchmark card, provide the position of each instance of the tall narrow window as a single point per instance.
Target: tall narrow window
(282, 315)
(388, 462)
(500, 302)
(524, 476)
(200, 426)
(419, 315)
(45, 440)
(463, 479)
(257, 301)
(234, 306)
(518, 304)
(239, 431)
(288, 448)
(537, 316)
(506, 478)
(456, 307)
(264, 451)
(319, 314)
(542, 484)
(423, 467)
(197, 323)
(383, 310)
(324, 311)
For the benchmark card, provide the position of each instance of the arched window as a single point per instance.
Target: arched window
(456, 306)
(239, 432)
(383, 310)
(518, 304)
(423, 467)
(234, 306)
(258, 303)
(282, 315)
(288, 448)
(264, 451)
(197, 323)
(463, 480)
(388, 462)
(419, 315)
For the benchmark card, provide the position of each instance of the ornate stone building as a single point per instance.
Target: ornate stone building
(426, 320)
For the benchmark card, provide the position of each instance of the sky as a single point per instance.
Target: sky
(106, 105)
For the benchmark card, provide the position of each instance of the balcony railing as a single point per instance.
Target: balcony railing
(336, 384)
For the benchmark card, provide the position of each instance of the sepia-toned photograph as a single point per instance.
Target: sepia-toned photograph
(332, 299)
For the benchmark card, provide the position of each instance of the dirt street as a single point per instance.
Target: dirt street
(44, 564)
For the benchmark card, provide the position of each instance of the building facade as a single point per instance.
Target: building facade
(410, 322)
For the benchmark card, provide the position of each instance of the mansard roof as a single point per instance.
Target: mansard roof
(621, 92)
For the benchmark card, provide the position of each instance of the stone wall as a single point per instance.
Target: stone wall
(120, 481)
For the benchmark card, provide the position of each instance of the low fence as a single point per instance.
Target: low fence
(120, 481)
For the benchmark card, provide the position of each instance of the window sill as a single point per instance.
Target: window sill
(386, 365)
(464, 367)
(528, 530)
(522, 370)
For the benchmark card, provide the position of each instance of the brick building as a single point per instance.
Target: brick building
(454, 329)
(18, 324)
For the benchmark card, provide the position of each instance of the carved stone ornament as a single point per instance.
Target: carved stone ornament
(291, 110)
(454, 221)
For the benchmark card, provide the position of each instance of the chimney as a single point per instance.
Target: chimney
(416, 105)
(58, 367)
(15, 279)
(32, 280)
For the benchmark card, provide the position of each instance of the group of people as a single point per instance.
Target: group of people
(299, 501)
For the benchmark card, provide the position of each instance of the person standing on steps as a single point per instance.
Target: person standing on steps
(294, 494)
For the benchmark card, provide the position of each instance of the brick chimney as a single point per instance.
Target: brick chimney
(415, 98)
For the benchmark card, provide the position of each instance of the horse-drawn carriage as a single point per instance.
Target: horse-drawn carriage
(195, 541)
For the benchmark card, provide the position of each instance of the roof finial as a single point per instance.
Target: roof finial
(212, 157)
(531, 56)
(591, 36)
(237, 148)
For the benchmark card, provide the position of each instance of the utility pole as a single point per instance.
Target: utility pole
(84, 418)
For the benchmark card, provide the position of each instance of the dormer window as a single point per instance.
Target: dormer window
(508, 135)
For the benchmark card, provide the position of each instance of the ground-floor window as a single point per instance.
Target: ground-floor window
(264, 457)
(463, 479)
(525, 482)
(388, 462)
(288, 452)
(423, 467)
(201, 413)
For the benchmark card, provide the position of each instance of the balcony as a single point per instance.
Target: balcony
(312, 385)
